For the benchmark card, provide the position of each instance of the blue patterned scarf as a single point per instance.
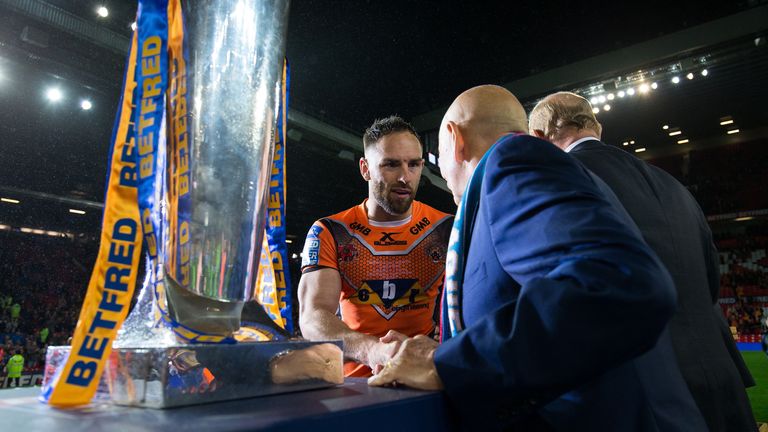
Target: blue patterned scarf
(451, 322)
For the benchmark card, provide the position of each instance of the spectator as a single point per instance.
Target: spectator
(14, 367)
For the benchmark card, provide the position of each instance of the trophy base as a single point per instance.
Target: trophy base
(184, 375)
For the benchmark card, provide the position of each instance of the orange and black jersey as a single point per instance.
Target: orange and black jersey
(391, 272)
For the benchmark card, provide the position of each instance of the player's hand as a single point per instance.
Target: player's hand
(393, 336)
(382, 352)
(413, 366)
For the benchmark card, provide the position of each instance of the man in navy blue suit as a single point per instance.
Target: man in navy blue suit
(676, 229)
(555, 310)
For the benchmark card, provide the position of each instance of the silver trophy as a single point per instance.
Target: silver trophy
(235, 54)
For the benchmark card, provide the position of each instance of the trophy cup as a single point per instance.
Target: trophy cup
(203, 212)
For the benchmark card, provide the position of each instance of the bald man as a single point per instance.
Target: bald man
(555, 310)
(674, 226)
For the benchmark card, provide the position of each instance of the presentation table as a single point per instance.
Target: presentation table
(353, 405)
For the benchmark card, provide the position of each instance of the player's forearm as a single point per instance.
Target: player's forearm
(322, 325)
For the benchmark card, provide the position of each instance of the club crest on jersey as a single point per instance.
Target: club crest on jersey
(435, 252)
(346, 252)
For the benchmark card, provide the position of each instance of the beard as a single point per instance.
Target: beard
(390, 204)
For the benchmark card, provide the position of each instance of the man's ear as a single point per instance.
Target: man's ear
(364, 171)
(457, 139)
(538, 133)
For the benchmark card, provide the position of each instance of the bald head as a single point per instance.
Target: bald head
(563, 118)
(485, 113)
(475, 120)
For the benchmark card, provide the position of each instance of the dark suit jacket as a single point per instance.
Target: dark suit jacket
(674, 226)
(563, 305)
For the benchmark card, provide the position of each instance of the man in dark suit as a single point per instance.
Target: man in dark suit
(555, 310)
(674, 226)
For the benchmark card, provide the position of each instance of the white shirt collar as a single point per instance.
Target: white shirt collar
(577, 142)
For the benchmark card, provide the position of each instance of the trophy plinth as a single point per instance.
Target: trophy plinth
(181, 375)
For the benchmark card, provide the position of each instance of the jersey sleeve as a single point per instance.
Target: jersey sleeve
(319, 249)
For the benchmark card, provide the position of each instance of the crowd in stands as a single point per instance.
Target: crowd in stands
(723, 179)
(42, 286)
(744, 281)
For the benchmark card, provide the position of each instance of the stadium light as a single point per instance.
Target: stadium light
(726, 122)
(75, 211)
(665, 127)
(606, 107)
(690, 75)
(625, 143)
(593, 100)
(601, 99)
(621, 93)
(632, 141)
(704, 72)
(630, 91)
(640, 150)
(733, 131)
(643, 88)
(683, 141)
(744, 218)
(673, 133)
(654, 85)
(595, 110)
(10, 200)
(610, 96)
(675, 80)
(85, 104)
(102, 11)
(54, 94)
(133, 26)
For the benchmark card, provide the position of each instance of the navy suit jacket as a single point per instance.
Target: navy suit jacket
(565, 307)
(676, 229)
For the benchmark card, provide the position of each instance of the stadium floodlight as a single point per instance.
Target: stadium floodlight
(630, 91)
(621, 93)
(9, 200)
(601, 99)
(654, 85)
(644, 88)
(683, 141)
(726, 122)
(640, 150)
(632, 141)
(733, 131)
(133, 26)
(102, 11)
(676, 132)
(606, 107)
(593, 100)
(595, 110)
(665, 127)
(690, 75)
(85, 104)
(625, 143)
(704, 72)
(54, 94)
(76, 211)
(675, 80)
(609, 96)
